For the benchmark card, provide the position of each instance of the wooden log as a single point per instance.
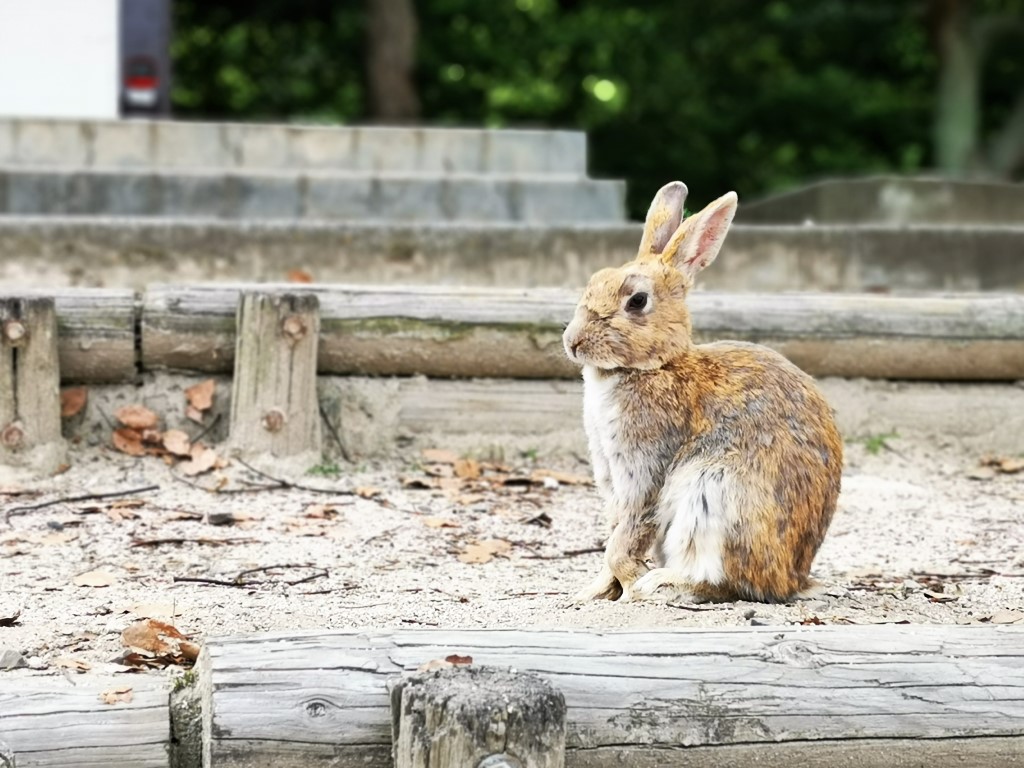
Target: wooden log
(52, 722)
(477, 717)
(274, 410)
(852, 694)
(95, 333)
(474, 332)
(30, 434)
(97, 337)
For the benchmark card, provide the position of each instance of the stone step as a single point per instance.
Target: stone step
(130, 252)
(891, 200)
(157, 145)
(313, 195)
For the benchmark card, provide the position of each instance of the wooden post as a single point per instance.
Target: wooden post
(274, 409)
(29, 385)
(477, 717)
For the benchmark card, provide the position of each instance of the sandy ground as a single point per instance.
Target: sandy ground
(915, 539)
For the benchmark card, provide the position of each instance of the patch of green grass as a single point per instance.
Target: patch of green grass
(326, 469)
(875, 444)
(530, 454)
(185, 680)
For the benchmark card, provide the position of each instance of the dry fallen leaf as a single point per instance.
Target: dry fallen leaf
(565, 478)
(193, 413)
(200, 396)
(72, 401)
(203, 460)
(439, 522)
(1005, 465)
(467, 469)
(299, 276)
(484, 551)
(97, 578)
(137, 417)
(367, 492)
(75, 665)
(162, 639)
(152, 635)
(1006, 617)
(116, 696)
(439, 456)
(321, 511)
(177, 442)
(128, 441)
(459, 661)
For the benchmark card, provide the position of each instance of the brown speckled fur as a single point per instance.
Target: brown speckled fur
(739, 410)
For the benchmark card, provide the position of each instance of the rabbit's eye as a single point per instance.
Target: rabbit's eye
(637, 302)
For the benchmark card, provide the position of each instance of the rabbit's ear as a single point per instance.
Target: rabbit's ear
(663, 218)
(696, 243)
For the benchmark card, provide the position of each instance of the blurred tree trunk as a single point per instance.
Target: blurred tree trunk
(957, 119)
(392, 32)
(962, 39)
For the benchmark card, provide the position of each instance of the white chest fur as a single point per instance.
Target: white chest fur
(620, 470)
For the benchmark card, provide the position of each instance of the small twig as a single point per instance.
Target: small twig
(239, 580)
(288, 484)
(567, 554)
(188, 540)
(213, 582)
(205, 430)
(223, 491)
(25, 509)
(693, 608)
(334, 433)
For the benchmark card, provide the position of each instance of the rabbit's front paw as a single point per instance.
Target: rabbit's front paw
(663, 585)
(604, 587)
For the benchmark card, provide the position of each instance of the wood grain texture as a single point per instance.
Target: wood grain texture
(459, 332)
(274, 408)
(308, 699)
(53, 722)
(95, 332)
(30, 379)
(477, 716)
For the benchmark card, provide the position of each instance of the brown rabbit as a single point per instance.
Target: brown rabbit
(721, 461)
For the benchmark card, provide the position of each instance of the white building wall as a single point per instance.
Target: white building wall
(59, 58)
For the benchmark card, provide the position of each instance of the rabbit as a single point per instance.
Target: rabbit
(721, 461)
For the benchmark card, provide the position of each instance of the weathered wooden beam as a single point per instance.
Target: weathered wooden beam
(97, 339)
(52, 722)
(30, 435)
(477, 717)
(843, 692)
(274, 410)
(467, 332)
(96, 334)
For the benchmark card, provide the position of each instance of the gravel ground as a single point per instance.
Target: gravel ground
(916, 539)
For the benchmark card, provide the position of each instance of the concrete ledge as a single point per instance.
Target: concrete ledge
(253, 146)
(892, 200)
(313, 195)
(132, 252)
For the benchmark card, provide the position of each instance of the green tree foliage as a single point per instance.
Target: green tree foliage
(731, 94)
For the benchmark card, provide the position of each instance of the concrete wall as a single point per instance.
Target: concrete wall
(58, 58)
(60, 252)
